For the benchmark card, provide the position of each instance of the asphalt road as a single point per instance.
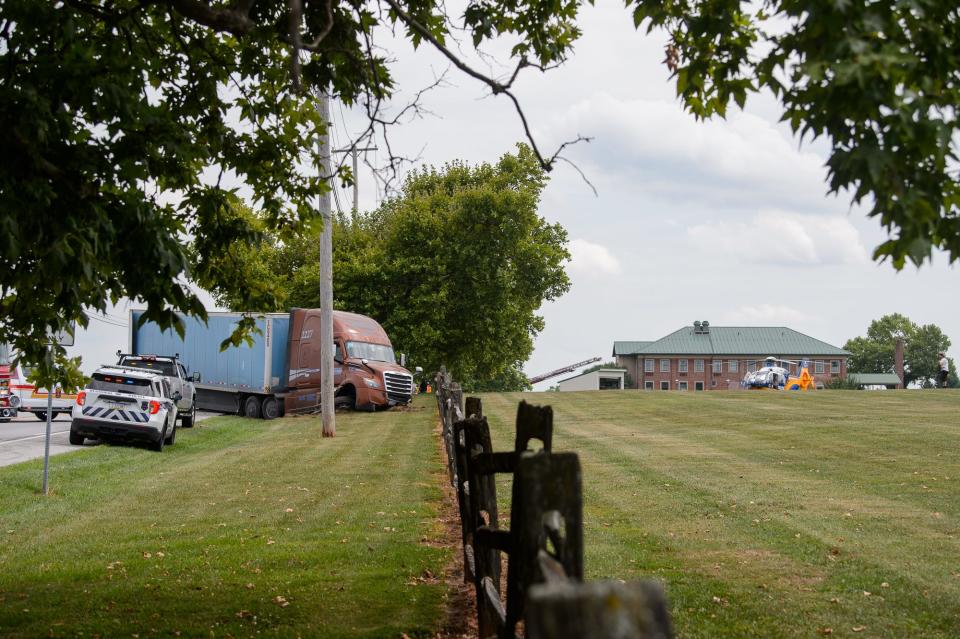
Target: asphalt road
(23, 438)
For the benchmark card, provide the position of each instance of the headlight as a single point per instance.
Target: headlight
(371, 382)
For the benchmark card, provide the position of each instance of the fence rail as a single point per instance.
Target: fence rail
(544, 544)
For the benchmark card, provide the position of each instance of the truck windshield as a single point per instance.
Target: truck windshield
(118, 384)
(373, 352)
(156, 365)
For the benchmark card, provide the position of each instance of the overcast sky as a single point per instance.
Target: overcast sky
(725, 220)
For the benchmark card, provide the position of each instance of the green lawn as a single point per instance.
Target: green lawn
(243, 528)
(771, 514)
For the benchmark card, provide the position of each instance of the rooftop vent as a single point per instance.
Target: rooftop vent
(701, 328)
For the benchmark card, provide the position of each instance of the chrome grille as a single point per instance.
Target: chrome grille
(399, 387)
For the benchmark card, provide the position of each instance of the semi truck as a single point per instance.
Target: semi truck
(279, 372)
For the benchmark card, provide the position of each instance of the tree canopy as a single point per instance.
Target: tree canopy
(124, 116)
(454, 268)
(875, 352)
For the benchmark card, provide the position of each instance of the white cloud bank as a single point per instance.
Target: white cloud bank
(592, 259)
(781, 238)
(656, 146)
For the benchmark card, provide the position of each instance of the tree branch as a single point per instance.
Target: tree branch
(496, 86)
(235, 20)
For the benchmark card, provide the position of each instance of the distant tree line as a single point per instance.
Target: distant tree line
(875, 352)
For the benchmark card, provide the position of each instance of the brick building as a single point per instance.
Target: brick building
(705, 357)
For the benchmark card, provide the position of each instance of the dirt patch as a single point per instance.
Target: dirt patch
(459, 618)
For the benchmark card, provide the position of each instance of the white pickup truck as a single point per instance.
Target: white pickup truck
(176, 375)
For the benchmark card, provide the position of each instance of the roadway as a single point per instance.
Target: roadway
(22, 438)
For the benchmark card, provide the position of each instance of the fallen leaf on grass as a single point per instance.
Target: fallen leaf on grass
(243, 614)
(281, 601)
(858, 628)
(249, 586)
(270, 542)
(288, 510)
(825, 631)
(147, 555)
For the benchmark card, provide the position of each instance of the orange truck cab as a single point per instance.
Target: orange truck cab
(365, 371)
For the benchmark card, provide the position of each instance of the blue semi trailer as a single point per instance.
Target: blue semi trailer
(280, 371)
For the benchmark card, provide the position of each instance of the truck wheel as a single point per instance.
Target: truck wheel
(173, 434)
(347, 398)
(41, 415)
(271, 408)
(187, 420)
(158, 445)
(251, 407)
(76, 439)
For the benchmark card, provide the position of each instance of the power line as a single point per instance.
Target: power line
(106, 321)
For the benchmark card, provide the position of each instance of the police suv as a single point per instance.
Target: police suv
(126, 404)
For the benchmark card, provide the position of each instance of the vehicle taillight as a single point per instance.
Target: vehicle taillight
(4, 401)
(154, 408)
(81, 398)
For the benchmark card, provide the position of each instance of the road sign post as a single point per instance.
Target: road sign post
(63, 338)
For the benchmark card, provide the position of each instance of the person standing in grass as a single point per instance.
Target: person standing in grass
(944, 371)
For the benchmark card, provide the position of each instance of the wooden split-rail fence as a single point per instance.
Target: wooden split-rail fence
(544, 542)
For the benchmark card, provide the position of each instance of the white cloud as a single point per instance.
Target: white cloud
(656, 146)
(592, 259)
(780, 238)
(765, 315)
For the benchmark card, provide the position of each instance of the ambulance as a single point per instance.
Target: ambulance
(27, 398)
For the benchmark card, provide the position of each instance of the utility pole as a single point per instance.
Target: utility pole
(354, 152)
(327, 413)
(356, 184)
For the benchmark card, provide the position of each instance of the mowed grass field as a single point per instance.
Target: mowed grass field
(243, 528)
(770, 514)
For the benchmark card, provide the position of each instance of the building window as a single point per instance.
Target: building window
(664, 385)
(732, 365)
(751, 365)
(684, 364)
(717, 366)
(648, 385)
(698, 386)
(648, 365)
(834, 366)
(698, 366)
(681, 386)
(818, 366)
(664, 365)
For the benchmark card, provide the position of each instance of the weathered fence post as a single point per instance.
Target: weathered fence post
(546, 515)
(597, 610)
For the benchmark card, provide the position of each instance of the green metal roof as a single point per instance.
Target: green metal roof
(886, 379)
(737, 340)
(629, 348)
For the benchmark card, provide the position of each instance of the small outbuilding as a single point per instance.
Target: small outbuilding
(872, 381)
(599, 379)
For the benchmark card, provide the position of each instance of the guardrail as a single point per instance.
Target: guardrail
(544, 544)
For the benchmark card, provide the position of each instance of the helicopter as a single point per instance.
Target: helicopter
(775, 376)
